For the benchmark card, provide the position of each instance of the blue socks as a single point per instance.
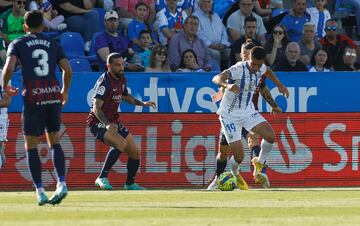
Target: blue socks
(256, 150)
(59, 161)
(110, 160)
(132, 168)
(34, 164)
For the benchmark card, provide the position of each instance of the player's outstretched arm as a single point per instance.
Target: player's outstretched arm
(132, 100)
(271, 75)
(265, 92)
(66, 79)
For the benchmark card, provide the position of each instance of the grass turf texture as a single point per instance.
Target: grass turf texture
(187, 207)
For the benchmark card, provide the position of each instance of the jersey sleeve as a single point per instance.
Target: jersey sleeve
(235, 71)
(101, 89)
(13, 49)
(60, 53)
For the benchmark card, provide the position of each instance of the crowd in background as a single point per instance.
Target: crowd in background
(189, 36)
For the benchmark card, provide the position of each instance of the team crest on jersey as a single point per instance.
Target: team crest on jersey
(100, 90)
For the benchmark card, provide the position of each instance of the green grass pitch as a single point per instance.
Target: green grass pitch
(293, 207)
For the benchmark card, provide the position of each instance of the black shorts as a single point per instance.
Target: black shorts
(222, 138)
(99, 130)
(36, 118)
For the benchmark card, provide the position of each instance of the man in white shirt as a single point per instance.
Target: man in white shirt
(5, 100)
(237, 111)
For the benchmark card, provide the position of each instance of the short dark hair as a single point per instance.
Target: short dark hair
(146, 31)
(258, 53)
(112, 56)
(248, 45)
(33, 19)
(141, 4)
(193, 17)
(250, 19)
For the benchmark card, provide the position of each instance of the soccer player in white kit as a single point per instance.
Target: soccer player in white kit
(5, 100)
(237, 111)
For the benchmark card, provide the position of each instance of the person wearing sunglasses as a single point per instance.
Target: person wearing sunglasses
(158, 60)
(349, 59)
(276, 46)
(336, 43)
(12, 20)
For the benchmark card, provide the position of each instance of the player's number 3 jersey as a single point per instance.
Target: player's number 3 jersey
(240, 75)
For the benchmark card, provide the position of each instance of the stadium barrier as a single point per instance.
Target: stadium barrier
(317, 144)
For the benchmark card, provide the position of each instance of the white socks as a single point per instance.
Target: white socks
(40, 190)
(234, 166)
(265, 150)
(60, 184)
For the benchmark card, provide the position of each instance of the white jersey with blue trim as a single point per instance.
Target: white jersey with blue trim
(3, 111)
(240, 75)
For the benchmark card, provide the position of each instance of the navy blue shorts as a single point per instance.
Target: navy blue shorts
(222, 138)
(36, 118)
(99, 130)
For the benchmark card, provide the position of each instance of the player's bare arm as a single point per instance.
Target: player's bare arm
(221, 80)
(7, 73)
(5, 101)
(66, 79)
(271, 75)
(132, 100)
(98, 103)
(265, 92)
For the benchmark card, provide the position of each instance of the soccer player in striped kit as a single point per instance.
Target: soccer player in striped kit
(237, 111)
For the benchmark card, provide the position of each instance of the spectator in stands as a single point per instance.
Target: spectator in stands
(126, 10)
(5, 5)
(11, 21)
(250, 33)
(308, 43)
(189, 62)
(276, 46)
(276, 4)
(262, 8)
(213, 32)
(79, 17)
(142, 55)
(320, 61)
(186, 5)
(138, 24)
(2, 53)
(52, 20)
(349, 60)
(335, 43)
(291, 61)
(111, 41)
(189, 40)
(318, 16)
(170, 21)
(295, 20)
(356, 5)
(235, 23)
(158, 60)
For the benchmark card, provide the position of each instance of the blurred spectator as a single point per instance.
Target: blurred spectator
(318, 16)
(189, 40)
(276, 46)
(213, 32)
(142, 55)
(349, 61)
(295, 20)
(12, 20)
(126, 10)
(158, 60)
(189, 62)
(291, 61)
(138, 24)
(246, 49)
(276, 4)
(52, 20)
(170, 21)
(308, 43)
(2, 53)
(79, 17)
(235, 22)
(320, 61)
(111, 41)
(108, 5)
(186, 5)
(262, 8)
(5, 5)
(250, 33)
(335, 43)
(356, 5)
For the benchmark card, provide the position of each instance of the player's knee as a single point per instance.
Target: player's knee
(239, 157)
(121, 144)
(270, 138)
(134, 154)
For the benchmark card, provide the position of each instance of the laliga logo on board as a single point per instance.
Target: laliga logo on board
(300, 156)
(48, 176)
